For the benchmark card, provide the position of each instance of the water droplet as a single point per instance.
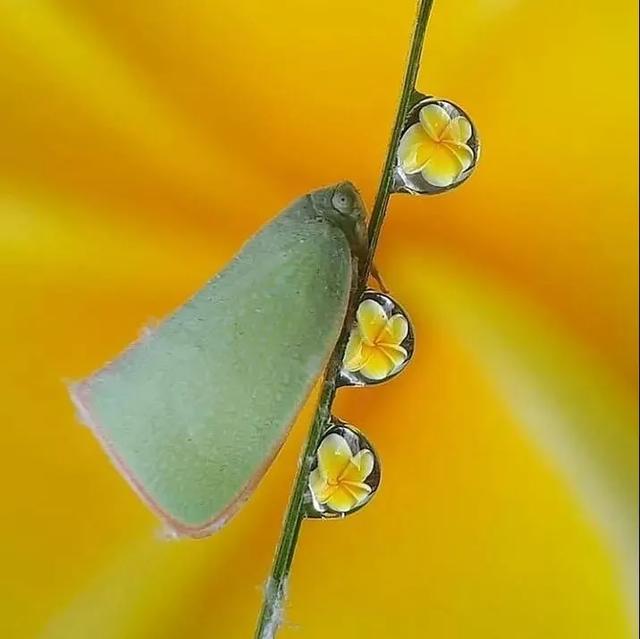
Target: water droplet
(439, 147)
(381, 343)
(345, 473)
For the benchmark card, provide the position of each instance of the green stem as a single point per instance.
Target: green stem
(271, 613)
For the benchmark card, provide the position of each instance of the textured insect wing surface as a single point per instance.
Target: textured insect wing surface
(195, 411)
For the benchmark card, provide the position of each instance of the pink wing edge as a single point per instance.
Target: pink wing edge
(80, 392)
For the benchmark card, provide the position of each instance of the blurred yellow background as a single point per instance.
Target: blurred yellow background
(142, 142)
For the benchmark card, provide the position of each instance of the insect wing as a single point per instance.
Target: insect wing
(194, 412)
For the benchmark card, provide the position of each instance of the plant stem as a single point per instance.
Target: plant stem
(271, 613)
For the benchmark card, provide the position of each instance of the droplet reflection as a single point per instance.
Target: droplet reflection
(438, 150)
(381, 342)
(345, 473)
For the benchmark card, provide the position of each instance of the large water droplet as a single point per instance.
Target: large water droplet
(381, 342)
(345, 473)
(439, 147)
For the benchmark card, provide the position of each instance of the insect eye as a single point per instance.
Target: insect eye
(342, 201)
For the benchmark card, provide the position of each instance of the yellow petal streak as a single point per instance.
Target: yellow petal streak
(353, 355)
(372, 320)
(334, 455)
(395, 331)
(435, 121)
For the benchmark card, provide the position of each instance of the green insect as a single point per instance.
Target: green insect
(195, 411)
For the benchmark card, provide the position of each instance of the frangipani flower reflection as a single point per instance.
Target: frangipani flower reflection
(437, 146)
(339, 479)
(374, 348)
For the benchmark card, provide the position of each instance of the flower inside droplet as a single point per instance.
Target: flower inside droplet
(339, 479)
(374, 348)
(436, 146)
